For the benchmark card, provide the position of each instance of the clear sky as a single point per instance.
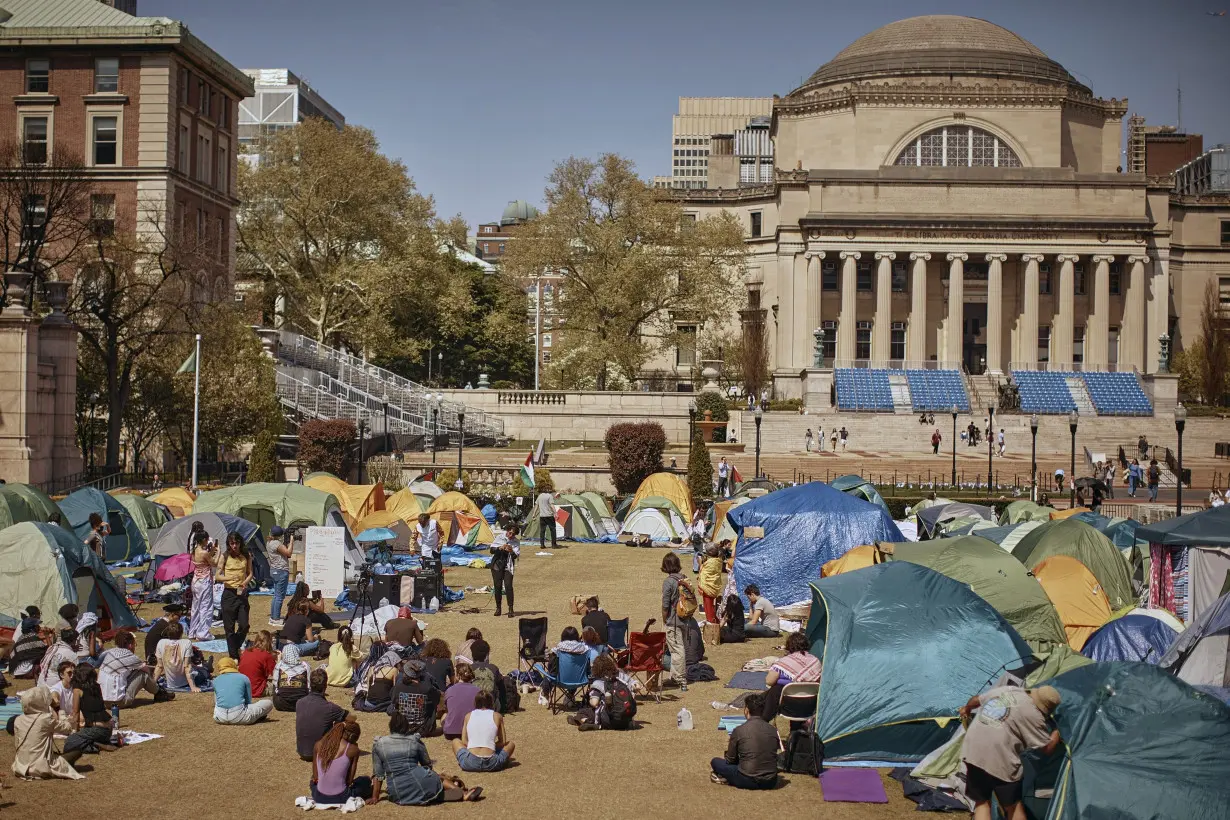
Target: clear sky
(481, 98)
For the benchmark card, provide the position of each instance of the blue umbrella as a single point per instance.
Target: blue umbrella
(376, 534)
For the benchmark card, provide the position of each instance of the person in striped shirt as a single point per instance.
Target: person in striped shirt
(798, 666)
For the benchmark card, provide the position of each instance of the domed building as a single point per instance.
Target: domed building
(949, 197)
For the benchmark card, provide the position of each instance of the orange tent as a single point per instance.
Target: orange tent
(1059, 515)
(858, 558)
(1078, 597)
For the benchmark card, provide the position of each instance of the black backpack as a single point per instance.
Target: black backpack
(622, 706)
(804, 752)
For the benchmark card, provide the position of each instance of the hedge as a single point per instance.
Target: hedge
(327, 446)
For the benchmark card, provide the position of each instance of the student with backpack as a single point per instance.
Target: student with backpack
(678, 605)
(610, 704)
(1154, 476)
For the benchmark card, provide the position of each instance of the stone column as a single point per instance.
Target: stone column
(995, 311)
(57, 342)
(1097, 328)
(1029, 316)
(848, 318)
(1159, 309)
(785, 305)
(1062, 330)
(917, 333)
(18, 384)
(801, 341)
(954, 333)
(813, 290)
(1134, 329)
(881, 329)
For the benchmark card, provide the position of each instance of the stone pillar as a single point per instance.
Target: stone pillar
(58, 345)
(881, 329)
(917, 333)
(813, 290)
(848, 318)
(1062, 329)
(785, 305)
(1097, 328)
(995, 312)
(1134, 329)
(1159, 308)
(801, 341)
(18, 384)
(954, 331)
(1029, 316)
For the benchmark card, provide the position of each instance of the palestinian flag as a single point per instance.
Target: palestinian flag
(734, 475)
(527, 471)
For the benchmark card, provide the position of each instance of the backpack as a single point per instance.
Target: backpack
(804, 752)
(622, 706)
(512, 695)
(685, 607)
(484, 679)
(1155, 474)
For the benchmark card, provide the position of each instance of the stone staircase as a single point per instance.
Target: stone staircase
(903, 403)
(1080, 396)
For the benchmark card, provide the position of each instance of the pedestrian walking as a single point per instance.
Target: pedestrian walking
(807, 440)
(820, 439)
(936, 439)
(1133, 477)
(844, 437)
(1059, 480)
(1110, 480)
(1154, 475)
(1002, 445)
(723, 472)
(834, 439)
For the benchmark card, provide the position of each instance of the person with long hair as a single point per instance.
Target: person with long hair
(201, 620)
(344, 658)
(315, 604)
(459, 701)
(235, 571)
(439, 661)
(671, 620)
(173, 661)
(93, 721)
(334, 762)
(401, 765)
(504, 553)
(464, 653)
(258, 661)
(799, 665)
(594, 644)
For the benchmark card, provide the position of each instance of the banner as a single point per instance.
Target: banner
(324, 560)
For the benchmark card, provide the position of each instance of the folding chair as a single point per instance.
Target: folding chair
(531, 643)
(617, 639)
(797, 705)
(645, 651)
(573, 677)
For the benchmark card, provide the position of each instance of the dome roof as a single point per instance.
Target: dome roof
(518, 211)
(940, 44)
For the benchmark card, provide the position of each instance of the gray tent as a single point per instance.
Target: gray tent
(1201, 655)
(931, 517)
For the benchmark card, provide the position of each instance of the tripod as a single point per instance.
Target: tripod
(363, 603)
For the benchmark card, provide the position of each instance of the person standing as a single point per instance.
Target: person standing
(427, 536)
(845, 435)
(820, 438)
(1002, 444)
(833, 440)
(671, 620)
(546, 517)
(505, 550)
(1109, 474)
(709, 582)
(936, 438)
(1008, 720)
(204, 551)
(278, 553)
(235, 570)
(96, 540)
(1154, 477)
(807, 440)
(1059, 479)
(1133, 477)
(723, 472)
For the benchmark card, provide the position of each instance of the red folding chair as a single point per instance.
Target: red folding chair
(645, 651)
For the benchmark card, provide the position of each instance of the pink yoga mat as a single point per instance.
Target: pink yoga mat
(842, 785)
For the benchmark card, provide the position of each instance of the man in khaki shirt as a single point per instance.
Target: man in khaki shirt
(1008, 721)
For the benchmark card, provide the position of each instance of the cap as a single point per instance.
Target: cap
(276, 530)
(1046, 698)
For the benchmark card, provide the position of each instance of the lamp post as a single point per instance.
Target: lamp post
(435, 424)
(362, 430)
(461, 443)
(1180, 421)
(440, 367)
(384, 406)
(691, 422)
(759, 414)
(990, 446)
(954, 445)
(1033, 459)
(1073, 418)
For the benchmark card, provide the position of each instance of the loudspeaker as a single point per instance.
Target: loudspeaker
(426, 587)
(386, 586)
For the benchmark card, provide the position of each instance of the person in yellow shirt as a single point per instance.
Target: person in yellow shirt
(235, 573)
(344, 659)
(709, 582)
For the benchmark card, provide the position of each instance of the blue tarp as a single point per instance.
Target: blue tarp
(1120, 531)
(804, 527)
(127, 538)
(1130, 638)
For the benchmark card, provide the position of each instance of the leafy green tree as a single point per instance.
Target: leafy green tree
(542, 483)
(700, 468)
(263, 463)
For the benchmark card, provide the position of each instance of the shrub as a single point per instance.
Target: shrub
(542, 481)
(263, 462)
(700, 468)
(327, 446)
(447, 480)
(715, 403)
(504, 384)
(634, 452)
(780, 405)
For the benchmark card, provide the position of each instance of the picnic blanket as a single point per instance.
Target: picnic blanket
(214, 646)
(748, 680)
(852, 786)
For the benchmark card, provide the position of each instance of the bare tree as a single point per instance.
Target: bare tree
(752, 354)
(1214, 344)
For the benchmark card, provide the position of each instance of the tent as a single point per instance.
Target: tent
(1019, 511)
(931, 517)
(1077, 596)
(1201, 654)
(602, 509)
(148, 515)
(172, 539)
(668, 486)
(1206, 528)
(963, 525)
(461, 520)
(1140, 745)
(390, 520)
(786, 537)
(996, 577)
(754, 488)
(406, 505)
(903, 647)
(1009, 536)
(1162, 615)
(858, 486)
(657, 518)
(860, 557)
(574, 521)
(128, 538)
(356, 500)
(722, 529)
(426, 491)
(929, 502)
(49, 566)
(1063, 515)
(1082, 542)
(1130, 638)
(1198, 543)
(25, 502)
(1120, 531)
(176, 499)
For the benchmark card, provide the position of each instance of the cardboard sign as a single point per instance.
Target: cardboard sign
(753, 532)
(324, 560)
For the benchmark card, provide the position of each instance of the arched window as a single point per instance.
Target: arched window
(958, 146)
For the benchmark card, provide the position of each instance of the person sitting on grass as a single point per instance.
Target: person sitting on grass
(173, 663)
(233, 704)
(401, 768)
(464, 653)
(344, 658)
(66, 689)
(750, 761)
(290, 679)
(416, 697)
(334, 762)
(63, 650)
(733, 623)
(482, 746)
(316, 605)
(34, 732)
(481, 651)
(315, 715)
(298, 629)
(764, 622)
(258, 662)
(597, 712)
(438, 660)
(89, 714)
(123, 676)
(798, 666)
(459, 701)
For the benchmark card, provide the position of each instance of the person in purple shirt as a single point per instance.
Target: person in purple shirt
(459, 701)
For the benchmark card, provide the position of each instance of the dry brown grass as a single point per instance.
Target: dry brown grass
(201, 770)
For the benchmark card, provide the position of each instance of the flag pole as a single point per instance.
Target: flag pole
(196, 411)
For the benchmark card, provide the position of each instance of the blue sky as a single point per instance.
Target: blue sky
(480, 99)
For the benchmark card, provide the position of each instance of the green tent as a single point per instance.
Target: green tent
(996, 577)
(269, 503)
(127, 540)
(602, 509)
(963, 525)
(1009, 536)
(1082, 542)
(657, 518)
(1019, 511)
(146, 513)
(578, 526)
(25, 502)
(858, 486)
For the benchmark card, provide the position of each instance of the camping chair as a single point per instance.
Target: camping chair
(645, 651)
(531, 643)
(617, 640)
(797, 705)
(573, 677)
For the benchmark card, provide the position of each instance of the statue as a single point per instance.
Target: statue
(1163, 353)
(818, 351)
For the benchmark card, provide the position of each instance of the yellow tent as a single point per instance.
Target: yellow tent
(406, 504)
(858, 558)
(668, 486)
(357, 500)
(176, 499)
(1059, 515)
(381, 518)
(455, 511)
(1078, 597)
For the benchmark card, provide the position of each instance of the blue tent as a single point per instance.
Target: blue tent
(1120, 531)
(903, 648)
(785, 537)
(1130, 638)
(127, 539)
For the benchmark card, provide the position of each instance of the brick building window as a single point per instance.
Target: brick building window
(106, 75)
(33, 217)
(34, 140)
(182, 163)
(105, 141)
(219, 245)
(102, 214)
(38, 76)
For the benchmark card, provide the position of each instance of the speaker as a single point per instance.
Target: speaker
(382, 586)
(426, 587)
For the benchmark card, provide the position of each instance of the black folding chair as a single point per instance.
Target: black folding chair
(531, 643)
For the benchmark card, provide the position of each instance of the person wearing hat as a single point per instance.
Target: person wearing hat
(171, 613)
(278, 553)
(233, 704)
(1002, 723)
(416, 697)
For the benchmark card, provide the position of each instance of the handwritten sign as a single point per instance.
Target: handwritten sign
(324, 560)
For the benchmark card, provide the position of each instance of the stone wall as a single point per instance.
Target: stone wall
(574, 415)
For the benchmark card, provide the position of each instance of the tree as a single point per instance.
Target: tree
(634, 452)
(326, 446)
(700, 468)
(337, 231)
(633, 267)
(543, 483)
(263, 463)
(1213, 372)
(748, 357)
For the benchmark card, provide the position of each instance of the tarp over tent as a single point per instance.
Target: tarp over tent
(1207, 528)
(1009, 536)
(786, 537)
(1201, 654)
(25, 502)
(172, 539)
(128, 539)
(1019, 511)
(445, 509)
(176, 499)
(1130, 638)
(1082, 542)
(880, 702)
(1077, 595)
(656, 518)
(668, 486)
(861, 487)
(48, 566)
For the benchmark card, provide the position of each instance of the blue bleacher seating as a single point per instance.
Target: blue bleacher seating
(863, 390)
(937, 390)
(1044, 391)
(1117, 394)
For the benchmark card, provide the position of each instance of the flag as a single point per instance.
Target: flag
(527, 471)
(189, 365)
(734, 475)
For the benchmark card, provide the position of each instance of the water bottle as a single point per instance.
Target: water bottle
(422, 603)
(434, 606)
(115, 718)
(684, 720)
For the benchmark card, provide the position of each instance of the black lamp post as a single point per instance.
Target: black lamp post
(461, 443)
(990, 446)
(954, 445)
(1073, 418)
(691, 423)
(1033, 459)
(759, 415)
(1180, 421)
(362, 431)
(435, 429)
(384, 405)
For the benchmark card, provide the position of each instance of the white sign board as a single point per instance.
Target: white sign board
(324, 558)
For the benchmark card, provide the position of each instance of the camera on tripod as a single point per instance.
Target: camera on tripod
(365, 575)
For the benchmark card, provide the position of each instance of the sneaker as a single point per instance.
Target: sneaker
(718, 779)
(278, 622)
(683, 687)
